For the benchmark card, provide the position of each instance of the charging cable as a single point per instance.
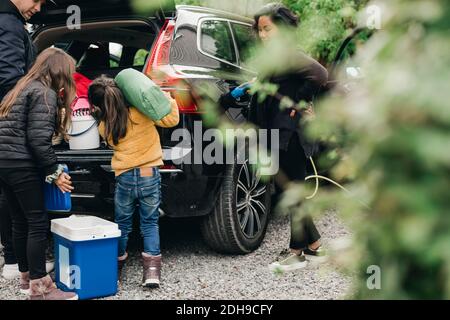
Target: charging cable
(316, 176)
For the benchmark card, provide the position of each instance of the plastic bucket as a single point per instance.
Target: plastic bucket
(83, 133)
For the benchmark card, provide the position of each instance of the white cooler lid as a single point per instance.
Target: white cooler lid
(84, 228)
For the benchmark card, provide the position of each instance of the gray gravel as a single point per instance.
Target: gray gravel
(192, 271)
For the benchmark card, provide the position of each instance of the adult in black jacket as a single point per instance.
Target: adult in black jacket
(17, 54)
(302, 82)
(30, 114)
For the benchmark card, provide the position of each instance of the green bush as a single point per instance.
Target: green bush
(324, 24)
(394, 127)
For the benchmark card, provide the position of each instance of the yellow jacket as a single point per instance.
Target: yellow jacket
(141, 146)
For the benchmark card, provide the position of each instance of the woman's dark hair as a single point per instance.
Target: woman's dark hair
(109, 107)
(279, 14)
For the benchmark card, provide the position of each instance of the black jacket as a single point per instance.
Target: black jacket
(26, 133)
(17, 52)
(301, 83)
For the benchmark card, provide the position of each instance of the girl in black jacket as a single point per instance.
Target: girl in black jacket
(302, 83)
(17, 54)
(30, 115)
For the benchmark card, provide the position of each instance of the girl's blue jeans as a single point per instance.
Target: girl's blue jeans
(136, 190)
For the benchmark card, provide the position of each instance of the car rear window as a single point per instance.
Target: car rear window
(245, 40)
(216, 40)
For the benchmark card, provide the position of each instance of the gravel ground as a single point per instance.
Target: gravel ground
(191, 271)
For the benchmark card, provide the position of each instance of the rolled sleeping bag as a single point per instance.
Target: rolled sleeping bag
(142, 93)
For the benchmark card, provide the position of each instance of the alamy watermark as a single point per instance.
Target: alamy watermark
(373, 17)
(70, 276)
(374, 280)
(260, 147)
(74, 20)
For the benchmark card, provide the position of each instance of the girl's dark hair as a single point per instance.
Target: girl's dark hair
(279, 14)
(109, 106)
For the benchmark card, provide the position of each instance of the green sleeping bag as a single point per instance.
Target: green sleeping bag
(143, 94)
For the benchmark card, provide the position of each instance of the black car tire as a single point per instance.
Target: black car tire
(224, 229)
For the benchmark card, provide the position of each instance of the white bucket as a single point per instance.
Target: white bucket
(83, 134)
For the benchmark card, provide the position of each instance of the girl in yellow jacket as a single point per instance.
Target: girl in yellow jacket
(136, 161)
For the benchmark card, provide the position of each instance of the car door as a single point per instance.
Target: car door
(205, 50)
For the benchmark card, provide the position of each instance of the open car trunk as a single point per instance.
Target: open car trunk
(104, 45)
(56, 13)
(101, 47)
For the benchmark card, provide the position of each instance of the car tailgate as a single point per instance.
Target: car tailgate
(58, 13)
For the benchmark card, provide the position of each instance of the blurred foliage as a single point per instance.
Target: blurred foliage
(241, 7)
(146, 7)
(191, 2)
(139, 58)
(324, 24)
(394, 129)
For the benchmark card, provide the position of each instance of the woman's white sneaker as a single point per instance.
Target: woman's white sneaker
(11, 271)
(49, 266)
(291, 263)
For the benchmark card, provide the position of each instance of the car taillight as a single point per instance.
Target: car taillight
(161, 49)
(185, 101)
(162, 73)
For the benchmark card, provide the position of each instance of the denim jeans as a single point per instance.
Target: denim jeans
(134, 191)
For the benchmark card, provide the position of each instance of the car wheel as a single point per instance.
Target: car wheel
(239, 220)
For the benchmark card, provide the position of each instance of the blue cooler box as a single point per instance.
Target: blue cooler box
(86, 250)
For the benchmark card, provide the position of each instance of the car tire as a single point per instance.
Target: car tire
(239, 220)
